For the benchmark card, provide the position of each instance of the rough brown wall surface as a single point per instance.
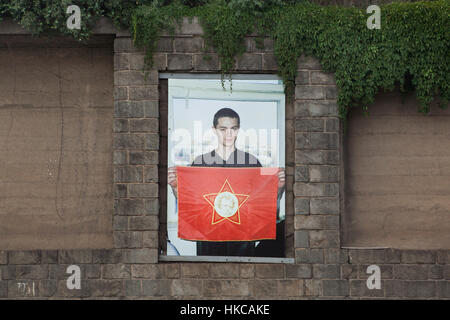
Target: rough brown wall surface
(132, 269)
(56, 110)
(397, 169)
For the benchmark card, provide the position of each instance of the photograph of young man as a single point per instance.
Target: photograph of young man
(226, 124)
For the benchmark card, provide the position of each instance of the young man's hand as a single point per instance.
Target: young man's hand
(172, 179)
(281, 182)
(281, 178)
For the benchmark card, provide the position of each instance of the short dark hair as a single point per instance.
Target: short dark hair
(226, 112)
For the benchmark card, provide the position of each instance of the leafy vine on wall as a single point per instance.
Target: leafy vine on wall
(413, 42)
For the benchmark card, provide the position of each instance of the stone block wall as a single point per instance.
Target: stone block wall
(132, 270)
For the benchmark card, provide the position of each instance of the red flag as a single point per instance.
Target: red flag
(227, 204)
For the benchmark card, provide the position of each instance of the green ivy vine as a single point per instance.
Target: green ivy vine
(411, 49)
(49, 17)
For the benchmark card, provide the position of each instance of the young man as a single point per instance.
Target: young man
(226, 124)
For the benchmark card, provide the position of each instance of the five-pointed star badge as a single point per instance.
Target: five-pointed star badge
(225, 204)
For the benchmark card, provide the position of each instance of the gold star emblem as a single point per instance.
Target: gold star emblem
(225, 204)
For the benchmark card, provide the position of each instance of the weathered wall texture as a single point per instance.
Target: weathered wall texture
(397, 168)
(132, 270)
(56, 111)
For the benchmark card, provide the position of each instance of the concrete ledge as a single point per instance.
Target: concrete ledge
(11, 27)
(224, 259)
(104, 26)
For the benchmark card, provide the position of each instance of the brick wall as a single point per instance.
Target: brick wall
(131, 270)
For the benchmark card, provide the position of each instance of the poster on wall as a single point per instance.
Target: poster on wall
(226, 159)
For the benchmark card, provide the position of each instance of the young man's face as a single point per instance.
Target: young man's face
(226, 131)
